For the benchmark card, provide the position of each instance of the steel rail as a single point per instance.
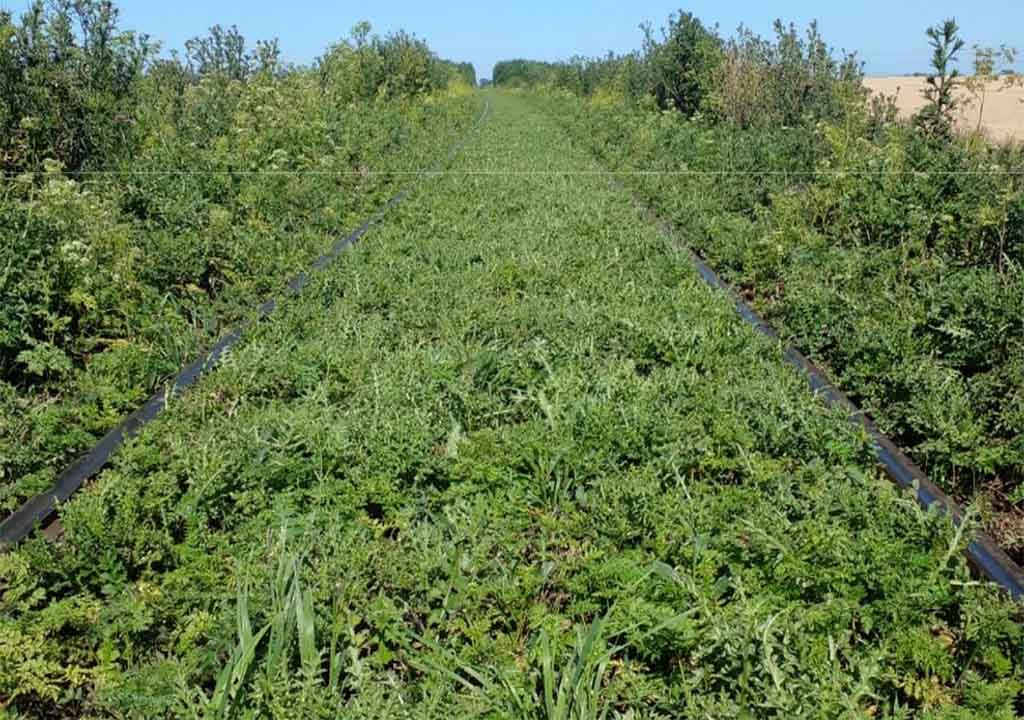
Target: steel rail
(42, 508)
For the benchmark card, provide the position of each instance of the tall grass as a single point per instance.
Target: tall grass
(265, 664)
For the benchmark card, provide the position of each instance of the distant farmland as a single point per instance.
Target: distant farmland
(1003, 116)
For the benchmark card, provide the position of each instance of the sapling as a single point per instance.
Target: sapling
(986, 62)
(937, 117)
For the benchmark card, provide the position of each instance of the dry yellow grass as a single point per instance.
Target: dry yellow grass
(1003, 118)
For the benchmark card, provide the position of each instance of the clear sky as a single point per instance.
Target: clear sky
(888, 34)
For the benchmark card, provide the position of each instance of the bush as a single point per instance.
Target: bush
(956, 203)
(71, 280)
(68, 77)
(521, 73)
(682, 63)
(746, 80)
(790, 81)
(368, 67)
(222, 53)
(464, 73)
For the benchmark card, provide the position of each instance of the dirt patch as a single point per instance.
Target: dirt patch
(1003, 117)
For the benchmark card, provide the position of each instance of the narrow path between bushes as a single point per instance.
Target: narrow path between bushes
(513, 411)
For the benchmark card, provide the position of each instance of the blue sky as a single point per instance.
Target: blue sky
(888, 35)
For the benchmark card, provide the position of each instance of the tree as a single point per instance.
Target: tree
(1011, 78)
(938, 116)
(222, 52)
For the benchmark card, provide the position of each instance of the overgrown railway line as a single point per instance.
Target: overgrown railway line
(983, 553)
(40, 511)
(516, 417)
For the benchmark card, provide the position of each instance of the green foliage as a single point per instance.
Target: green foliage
(789, 82)
(611, 77)
(481, 438)
(745, 80)
(222, 53)
(67, 74)
(69, 286)
(937, 118)
(893, 260)
(236, 173)
(269, 667)
(890, 258)
(485, 426)
(572, 692)
(682, 63)
(521, 73)
(461, 72)
(368, 67)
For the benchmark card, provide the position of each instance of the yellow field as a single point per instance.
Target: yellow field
(1003, 117)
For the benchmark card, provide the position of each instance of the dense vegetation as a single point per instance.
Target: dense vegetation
(510, 458)
(889, 251)
(742, 81)
(149, 203)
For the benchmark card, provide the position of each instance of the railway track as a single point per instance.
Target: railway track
(984, 554)
(40, 511)
(516, 411)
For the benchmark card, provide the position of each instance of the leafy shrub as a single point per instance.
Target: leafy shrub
(70, 284)
(790, 81)
(521, 73)
(68, 76)
(460, 72)
(682, 63)
(368, 67)
(746, 80)
(957, 203)
(222, 53)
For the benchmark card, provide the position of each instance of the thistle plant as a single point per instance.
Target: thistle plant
(937, 119)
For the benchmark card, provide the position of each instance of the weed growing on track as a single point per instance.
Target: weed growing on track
(890, 255)
(124, 252)
(919, 321)
(520, 454)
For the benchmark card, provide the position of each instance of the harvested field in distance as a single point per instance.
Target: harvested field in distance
(1004, 111)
